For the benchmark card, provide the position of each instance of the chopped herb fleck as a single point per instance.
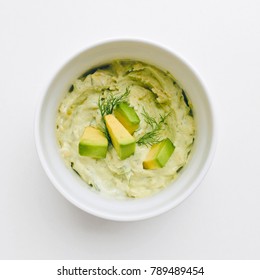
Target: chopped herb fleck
(71, 88)
(179, 169)
(72, 166)
(185, 98)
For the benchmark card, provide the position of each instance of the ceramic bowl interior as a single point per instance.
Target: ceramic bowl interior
(71, 186)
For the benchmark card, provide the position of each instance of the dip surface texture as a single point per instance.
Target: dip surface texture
(151, 91)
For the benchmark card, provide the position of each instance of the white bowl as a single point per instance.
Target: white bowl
(71, 186)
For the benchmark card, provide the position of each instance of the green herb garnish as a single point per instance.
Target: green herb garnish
(153, 136)
(72, 166)
(71, 88)
(107, 104)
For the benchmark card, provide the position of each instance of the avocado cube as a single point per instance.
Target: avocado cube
(159, 154)
(127, 116)
(93, 143)
(122, 140)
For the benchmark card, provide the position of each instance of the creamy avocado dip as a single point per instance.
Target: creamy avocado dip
(151, 92)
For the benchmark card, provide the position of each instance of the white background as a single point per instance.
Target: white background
(221, 219)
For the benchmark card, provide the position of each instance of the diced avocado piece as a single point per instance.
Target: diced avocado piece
(93, 143)
(159, 154)
(122, 140)
(127, 116)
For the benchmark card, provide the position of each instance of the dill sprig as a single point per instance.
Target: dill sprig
(107, 104)
(153, 136)
(149, 138)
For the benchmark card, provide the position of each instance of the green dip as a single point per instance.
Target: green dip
(152, 90)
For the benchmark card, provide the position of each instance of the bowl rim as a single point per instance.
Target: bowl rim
(207, 163)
